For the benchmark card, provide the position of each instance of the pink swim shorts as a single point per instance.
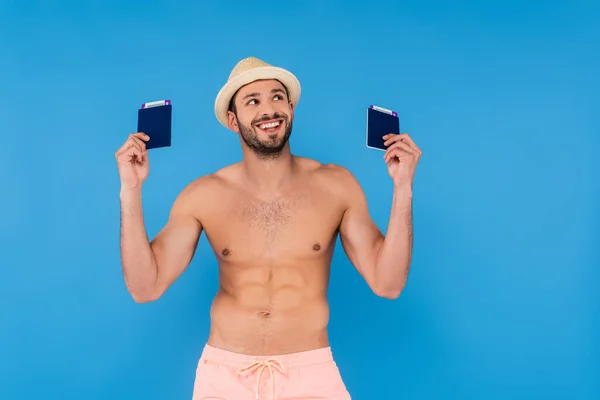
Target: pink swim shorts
(223, 375)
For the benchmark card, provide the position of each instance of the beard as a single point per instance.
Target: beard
(268, 149)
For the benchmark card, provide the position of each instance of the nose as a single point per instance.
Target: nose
(268, 109)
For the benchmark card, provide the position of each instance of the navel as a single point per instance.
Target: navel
(226, 252)
(316, 247)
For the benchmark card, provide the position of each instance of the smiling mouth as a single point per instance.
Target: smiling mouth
(270, 126)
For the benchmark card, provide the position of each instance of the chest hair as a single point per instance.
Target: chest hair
(269, 216)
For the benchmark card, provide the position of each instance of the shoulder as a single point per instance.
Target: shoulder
(212, 182)
(204, 190)
(337, 176)
(324, 170)
(338, 173)
(337, 180)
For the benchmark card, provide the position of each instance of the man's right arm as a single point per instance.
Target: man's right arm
(150, 267)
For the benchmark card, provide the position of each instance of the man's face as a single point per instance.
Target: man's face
(263, 117)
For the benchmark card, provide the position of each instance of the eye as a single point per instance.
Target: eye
(277, 96)
(250, 102)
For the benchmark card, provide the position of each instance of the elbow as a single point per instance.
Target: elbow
(389, 294)
(142, 297)
(389, 287)
(143, 291)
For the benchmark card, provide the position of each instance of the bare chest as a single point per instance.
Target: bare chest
(291, 228)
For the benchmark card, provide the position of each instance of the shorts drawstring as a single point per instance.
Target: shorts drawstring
(260, 366)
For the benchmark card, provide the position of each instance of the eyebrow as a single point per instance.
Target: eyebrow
(256, 94)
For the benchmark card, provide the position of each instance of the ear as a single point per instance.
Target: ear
(291, 110)
(232, 122)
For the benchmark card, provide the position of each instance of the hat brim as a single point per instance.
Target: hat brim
(260, 73)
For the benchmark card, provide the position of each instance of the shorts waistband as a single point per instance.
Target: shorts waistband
(291, 360)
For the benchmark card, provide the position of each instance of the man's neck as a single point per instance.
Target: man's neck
(268, 176)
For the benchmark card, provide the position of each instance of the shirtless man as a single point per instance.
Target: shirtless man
(272, 220)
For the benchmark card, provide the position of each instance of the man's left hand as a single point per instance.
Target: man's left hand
(402, 156)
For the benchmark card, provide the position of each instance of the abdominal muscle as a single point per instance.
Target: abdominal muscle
(271, 310)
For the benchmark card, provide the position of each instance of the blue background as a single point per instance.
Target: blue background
(502, 96)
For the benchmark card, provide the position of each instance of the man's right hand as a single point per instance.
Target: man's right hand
(132, 161)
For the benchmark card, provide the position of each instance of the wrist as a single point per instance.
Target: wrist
(403, 192)
(129, 193)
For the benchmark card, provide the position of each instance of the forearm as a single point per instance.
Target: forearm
(139, 265)
(394, 256)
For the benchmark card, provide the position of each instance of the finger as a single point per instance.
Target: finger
(404, 146)
(398, 148)
(390, 155)
(142, 136)
(390, 138)
(137, 142)
(136, 138)
(139, 138)
(127, 145)
(404, 137)
(138, 155)
(398, 153)
(407, 139)
(131, 149)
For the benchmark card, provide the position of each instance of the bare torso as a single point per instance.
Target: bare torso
(274, 255)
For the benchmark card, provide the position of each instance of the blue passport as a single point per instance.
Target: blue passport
(154, 119)
(380, 122)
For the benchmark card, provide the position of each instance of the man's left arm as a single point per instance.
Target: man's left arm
(383, 260)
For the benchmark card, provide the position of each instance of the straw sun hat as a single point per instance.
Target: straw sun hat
(247, 71)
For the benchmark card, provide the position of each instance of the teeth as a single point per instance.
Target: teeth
(269, 125)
